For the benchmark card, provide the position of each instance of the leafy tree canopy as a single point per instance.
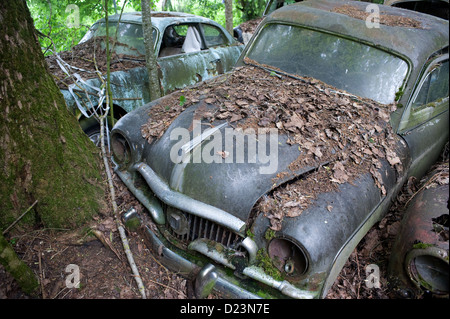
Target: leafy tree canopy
(67, 21)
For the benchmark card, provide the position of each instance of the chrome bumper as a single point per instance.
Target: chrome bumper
(207, 278)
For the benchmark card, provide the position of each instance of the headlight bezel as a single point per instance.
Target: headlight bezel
(288, 256)
(432, 255)
(121, 149)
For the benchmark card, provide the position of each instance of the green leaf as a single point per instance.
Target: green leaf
(182, 100)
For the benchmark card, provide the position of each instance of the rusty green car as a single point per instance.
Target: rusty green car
(262, 181)
(189, 49)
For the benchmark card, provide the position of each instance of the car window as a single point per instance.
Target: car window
(348, 65)
(180, 38)
(129, 35)
(431, 99)
(213, 36)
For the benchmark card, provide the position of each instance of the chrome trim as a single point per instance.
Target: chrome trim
(151, 203)
(176, 180)
(203, 246)
(285, 287)
(184, 267)
(252, 249)
(186, 203)
(205, 281)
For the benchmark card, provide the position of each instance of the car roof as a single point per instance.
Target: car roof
(416, 44)
(391, 2)
(160, 19)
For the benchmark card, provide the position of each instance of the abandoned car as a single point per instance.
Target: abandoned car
(418, 263)
(438, 8)
(189, 49)
(262, 181)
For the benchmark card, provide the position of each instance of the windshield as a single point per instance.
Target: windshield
(129, 35)
(355, 67)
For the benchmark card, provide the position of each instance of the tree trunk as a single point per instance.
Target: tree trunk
(44, 154)
(251, 9)
(166, 5)
(150, 58)
(23, 275)
(229, 15)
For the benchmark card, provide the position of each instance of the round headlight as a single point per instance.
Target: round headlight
(288, 257)
(121, 149)
(429, 269)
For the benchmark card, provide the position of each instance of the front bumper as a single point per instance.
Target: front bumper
(207, 277)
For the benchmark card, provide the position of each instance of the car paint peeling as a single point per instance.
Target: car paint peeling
(420, 235)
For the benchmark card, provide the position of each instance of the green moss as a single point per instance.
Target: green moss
(269, 234)
(264, 261)
(17, 268)
(399, 94)
(422, 246)
(45, 156)
(133, 224)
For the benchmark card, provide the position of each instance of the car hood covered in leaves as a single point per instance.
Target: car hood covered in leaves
(328, 136)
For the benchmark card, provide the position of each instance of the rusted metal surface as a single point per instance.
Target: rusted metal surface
(130, 87)
(423, 244)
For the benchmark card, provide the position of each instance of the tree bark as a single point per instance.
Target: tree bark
(44, 154)
(150, 58)
(229, 15)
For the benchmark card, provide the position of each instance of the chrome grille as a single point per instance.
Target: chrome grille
(198, 227)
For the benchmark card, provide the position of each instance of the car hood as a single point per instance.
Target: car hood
(228, 147)
(226, 175)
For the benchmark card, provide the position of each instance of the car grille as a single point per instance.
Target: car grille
(198, 227)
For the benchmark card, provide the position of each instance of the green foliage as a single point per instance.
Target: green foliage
(212, 9)
(67, 21)
(251, 9)
(182, 100)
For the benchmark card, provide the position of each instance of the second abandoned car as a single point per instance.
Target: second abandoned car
(189, 49)
(262, 181)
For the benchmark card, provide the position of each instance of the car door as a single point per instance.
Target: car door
(184, 58)
(424, 123)
(223, 55)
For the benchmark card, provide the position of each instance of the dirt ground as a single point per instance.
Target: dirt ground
(106, 274)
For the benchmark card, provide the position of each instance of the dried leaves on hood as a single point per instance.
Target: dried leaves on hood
(339, 133)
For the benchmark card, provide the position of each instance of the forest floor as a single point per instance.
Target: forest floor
(106, 274)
